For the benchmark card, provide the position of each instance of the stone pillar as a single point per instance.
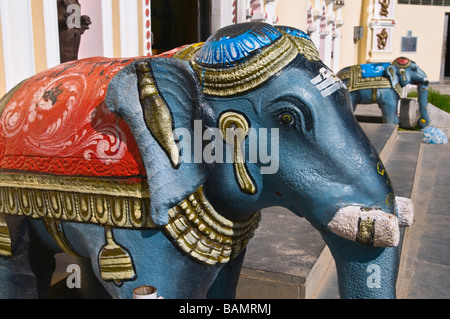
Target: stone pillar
(327, 26)
(271, 14)
(382, 25)
(338, 23)
(18, 46)
(314, 16)
(243, 11)
(147, 27)
(221, 14)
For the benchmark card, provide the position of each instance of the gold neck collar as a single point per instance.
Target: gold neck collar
(204, 234)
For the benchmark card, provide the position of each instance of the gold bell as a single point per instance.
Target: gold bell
(5, 238)
(115, 262)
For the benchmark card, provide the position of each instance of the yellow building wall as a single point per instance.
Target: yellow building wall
(40, 51)
(353, 14)
(2, 65)
(140, 19)
(116, 28)
(292, 13)
(427, 24)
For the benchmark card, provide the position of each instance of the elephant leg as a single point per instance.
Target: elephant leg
(156, 261)
(224, 287)
(363, 272)
(43, 263)
(389, 106)
(91, 287)
(28, 273)
(389, 111)
(355, 99)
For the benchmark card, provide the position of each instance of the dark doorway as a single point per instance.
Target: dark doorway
(179, 22)
(447, 47)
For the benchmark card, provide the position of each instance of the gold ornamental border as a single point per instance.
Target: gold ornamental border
(205, 235)
(194, 225)
(130, 187)
(76, 199)
(357, 82)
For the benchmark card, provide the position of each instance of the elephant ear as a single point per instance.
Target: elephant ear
(158, 97)
(391, 73)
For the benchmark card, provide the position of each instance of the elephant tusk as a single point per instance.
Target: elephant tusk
(405, 211)
(369, 227)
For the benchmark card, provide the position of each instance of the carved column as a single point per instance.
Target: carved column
(258, 10)
(338, 23)
(314, 18)
(244, 11)
(327, 26)
(382, 25)
(271, 6)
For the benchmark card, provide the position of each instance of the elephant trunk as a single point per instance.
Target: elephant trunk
(422, 90)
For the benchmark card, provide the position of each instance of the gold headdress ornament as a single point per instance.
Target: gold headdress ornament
(402, 62)
(241, 57)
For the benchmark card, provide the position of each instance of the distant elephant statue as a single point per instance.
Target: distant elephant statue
(153, 171)
(383, 83)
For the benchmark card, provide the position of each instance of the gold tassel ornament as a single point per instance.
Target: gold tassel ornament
(114, 261)
(5, 238)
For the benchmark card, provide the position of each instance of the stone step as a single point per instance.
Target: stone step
(382, 137)
(402, 164)
(288, 258)
(403, 167)
(425, 264)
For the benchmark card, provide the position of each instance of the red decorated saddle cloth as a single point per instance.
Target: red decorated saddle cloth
(57, 123)
(64, 155)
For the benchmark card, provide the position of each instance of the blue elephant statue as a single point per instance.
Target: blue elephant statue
(382, 83)
(153, 171)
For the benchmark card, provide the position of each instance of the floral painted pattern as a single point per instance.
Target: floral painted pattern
(434, 135)
(58, 123)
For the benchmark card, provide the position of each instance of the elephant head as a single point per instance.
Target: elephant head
(249, 91)
(403, 71)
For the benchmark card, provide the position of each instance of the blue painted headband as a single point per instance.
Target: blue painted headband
(242, 56)
(236, 43)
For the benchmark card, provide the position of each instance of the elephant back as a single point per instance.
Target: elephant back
(57, 123)
(360, 77)
(65, 156)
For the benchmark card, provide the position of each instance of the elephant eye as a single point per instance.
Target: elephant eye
(286, 118)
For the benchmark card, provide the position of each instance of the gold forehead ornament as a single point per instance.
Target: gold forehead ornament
(247, 75)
